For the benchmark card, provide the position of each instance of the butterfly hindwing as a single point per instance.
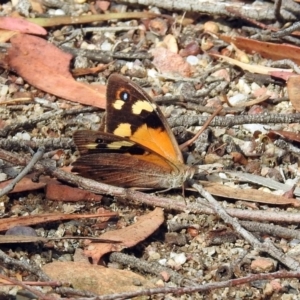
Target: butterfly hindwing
(119, 161)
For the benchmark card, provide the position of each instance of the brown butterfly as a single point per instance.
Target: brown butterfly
(137, 147)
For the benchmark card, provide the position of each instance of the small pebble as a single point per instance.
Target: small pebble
(179, 259)
(59, 12)
(255, 127)
(23, 136)
(91, 47)
(262, 264)
(238, 98)
(21, 230)
(163, 261)
(106, 46)
(3, 90)
(152, 73)
(153, 256)
(244, 87)
(192, 60)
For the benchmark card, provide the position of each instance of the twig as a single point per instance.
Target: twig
(30, 122)
(254, 22)
(28, 288)
(263, 12)
(287, 146)
(75, 292)
(142, 198)
(274, 230)
(267, 246)
(37, 156)
(257, 179)
(277, 6)
(205, 125)
(144, 266)
(286, 31)
(284, 63)
(49, 144)
(236, 120)
(23, 265)
(37, 283)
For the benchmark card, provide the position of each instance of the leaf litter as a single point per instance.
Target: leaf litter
(247, 146)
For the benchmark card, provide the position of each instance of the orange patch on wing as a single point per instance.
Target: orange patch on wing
(156, 140)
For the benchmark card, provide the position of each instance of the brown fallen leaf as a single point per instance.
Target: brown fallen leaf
(276, 72)
(248, 195)
(12, 239)
(96, 279)
(128, 236)
(66, 193)
(287, 135)
(47, 67)
(26, 183)
(7, 223)
(21, 25)
(274, 51)
(68, 20)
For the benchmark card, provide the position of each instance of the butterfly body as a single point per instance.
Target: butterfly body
(137, 147)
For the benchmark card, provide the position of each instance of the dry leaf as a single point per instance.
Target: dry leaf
(21, 25)
(251, 195)
(274, 51)
(26, 183)
(128, 236)
(96, 279)
(288, 135)
(47, 67)
(66, 193)
(276, 72)
(7, 223)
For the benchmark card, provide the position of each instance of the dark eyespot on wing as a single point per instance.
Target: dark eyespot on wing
(125, 96)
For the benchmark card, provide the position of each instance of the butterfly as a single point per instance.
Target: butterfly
(136, 148)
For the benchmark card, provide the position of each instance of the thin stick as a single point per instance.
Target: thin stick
(26, 287)
(267, 246)
(36, 157)
(151, 200)
(23, 265)
(205, 125)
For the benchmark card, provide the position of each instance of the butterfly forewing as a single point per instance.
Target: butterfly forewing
(131, 113)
